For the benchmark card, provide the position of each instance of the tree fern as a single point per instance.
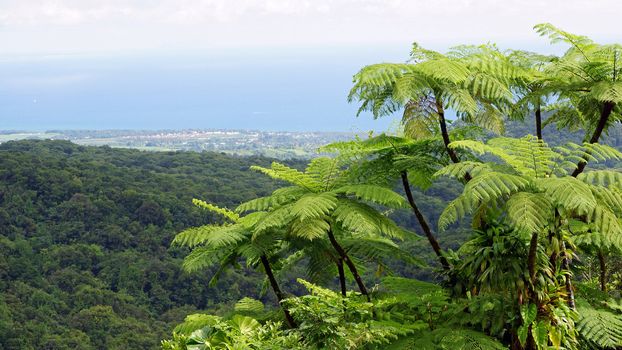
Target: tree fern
(529, 211)
(599, 328)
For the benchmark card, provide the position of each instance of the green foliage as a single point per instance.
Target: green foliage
(85, 234)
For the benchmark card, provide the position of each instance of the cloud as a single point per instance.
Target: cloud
(82, 25)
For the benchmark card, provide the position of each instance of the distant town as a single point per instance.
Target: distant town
(277, 144)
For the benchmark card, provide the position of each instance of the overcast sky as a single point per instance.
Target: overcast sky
(110, 26)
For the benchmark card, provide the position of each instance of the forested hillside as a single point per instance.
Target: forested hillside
(85, 232)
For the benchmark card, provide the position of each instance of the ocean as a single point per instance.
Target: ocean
(293, 90)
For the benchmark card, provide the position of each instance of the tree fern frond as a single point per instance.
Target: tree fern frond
(608, 224)
(193, 236)
(529, 211)
(570, 193)
(605, 91)
(609, 197)
(279, 197)
(492, 185)
(324, 170)
(375, 194)
(313, 206)
(202, 257)
(226, 236)
(600, 327)
(249, 307)
(605, 178)
(282, 172)
(279, 217)
(456, 210)
(361, 218)
(443, 69)
(557, 35)
(233, 216)
(458, 170)
(310, 229)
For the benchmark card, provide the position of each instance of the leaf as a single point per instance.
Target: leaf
(213, 208)
(375, 194)
(313, 206)
(529, 211)
(528, 313)
(522, 333)
(540, 331)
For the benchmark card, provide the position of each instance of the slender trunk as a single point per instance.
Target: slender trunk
(445, 134)
(277, 291)
(538, 120)
(342, 277)
(443, 124)
(602, 122)
(569, 288)
(423, 222)
(603, 271)
(344, 256)
(531, 259)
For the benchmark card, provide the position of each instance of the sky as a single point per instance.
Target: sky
(271, 64)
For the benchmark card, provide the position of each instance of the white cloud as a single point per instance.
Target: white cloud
(87, 25)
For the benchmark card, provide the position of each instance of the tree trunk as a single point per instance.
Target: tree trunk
(603, 271)
(277, 291)
(344, 256)
(423, 222)
(531, 259)
(569, 288)
(602, 122)
(445, 134)
(443, 124)
(538, 120)
(342, 276)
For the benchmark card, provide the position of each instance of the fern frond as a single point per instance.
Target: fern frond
(605, 178)
(194, 236)
(313, 206)
(606, 91)
(324, 171)
(310, 229)
(375, 194)
(459, 170)
(279, 197)
(361, 218)
(608, 224)
(216, 209)
(279, 217)
(282, 172)
(456, 210)
(529, 211)
(202, 257)
(492, 185)
(599, 327)
(569, 193)
(249, 306)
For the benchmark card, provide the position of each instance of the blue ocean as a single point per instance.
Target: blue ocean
(294, 90)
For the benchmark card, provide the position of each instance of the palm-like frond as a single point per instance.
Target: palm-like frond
(233, 216)
(529, 211)
(375, 194)
(601, 329)
(282, 172)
